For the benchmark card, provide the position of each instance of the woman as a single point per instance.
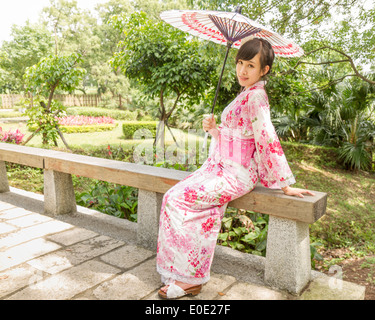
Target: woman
(244, 149)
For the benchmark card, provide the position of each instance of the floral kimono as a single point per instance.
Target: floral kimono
(246, 151)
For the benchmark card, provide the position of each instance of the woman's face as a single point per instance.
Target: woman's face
(249, 71)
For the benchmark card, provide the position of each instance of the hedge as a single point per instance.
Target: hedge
(88, 128)
(99, 112)
(82, 129)
(130, 127)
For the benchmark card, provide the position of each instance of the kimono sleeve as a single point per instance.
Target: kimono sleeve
(273, 168)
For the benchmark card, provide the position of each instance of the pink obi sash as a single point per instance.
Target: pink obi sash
(239, 150)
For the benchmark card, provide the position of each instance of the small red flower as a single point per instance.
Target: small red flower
(224, 199)
(275, 147)
(190, 195)
(260, 147)
(269, 163)
(208, 225)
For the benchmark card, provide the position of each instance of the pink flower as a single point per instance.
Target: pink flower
(208, 225)
(11, 137)
(210, 167)
(84, 120)
(269, 163)
(275, 147)
(245, 100)
(199, 274)
(190, 195)
(224, 199)
(238, 111)
(260, 147)
(240, 122)
(229, 116)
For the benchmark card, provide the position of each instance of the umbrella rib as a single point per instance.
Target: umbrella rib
(245, 30)
(220, 25)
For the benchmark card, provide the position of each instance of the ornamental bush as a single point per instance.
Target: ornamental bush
(130, 127)
(87, 128)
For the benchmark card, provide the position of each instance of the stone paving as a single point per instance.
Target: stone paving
(44, 258)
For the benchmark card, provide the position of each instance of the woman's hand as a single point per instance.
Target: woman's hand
(209, 125)
(296, 192)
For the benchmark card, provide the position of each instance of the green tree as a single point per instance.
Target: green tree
(29, 44)
(106, 77)
(43, 79)
(153, 8)
(164, 63)
(71, 26)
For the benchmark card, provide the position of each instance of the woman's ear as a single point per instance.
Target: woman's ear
(265, 70)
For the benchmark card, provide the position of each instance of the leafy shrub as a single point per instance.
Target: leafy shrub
(10, 114)
(11, 136)
(130, 127)
(114, 200)
(42, 120)
(244, 231)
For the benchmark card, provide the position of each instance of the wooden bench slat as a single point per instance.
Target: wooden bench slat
(138, 176)
(268, 201)
(27, 156)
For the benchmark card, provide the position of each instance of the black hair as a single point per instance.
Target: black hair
(252, 47)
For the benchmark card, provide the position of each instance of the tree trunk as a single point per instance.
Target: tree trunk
(161, 127)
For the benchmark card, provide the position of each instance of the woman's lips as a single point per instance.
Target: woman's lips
(243, 79)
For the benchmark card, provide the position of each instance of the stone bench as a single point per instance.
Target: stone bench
(288, 264)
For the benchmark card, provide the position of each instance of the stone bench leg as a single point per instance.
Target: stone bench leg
(59, 197)
(288, 264)
(149, 206)
(4, 185)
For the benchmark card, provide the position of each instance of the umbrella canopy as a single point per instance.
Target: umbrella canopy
(228, 28)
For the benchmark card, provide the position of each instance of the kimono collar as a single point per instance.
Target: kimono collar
(259, 84)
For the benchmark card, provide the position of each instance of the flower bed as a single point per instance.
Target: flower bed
(84, 121)
(82, 124)
(11, 136)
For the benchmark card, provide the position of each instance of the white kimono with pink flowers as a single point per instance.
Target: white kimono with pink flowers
(246, 151)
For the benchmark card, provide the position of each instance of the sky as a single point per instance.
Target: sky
(18, 11)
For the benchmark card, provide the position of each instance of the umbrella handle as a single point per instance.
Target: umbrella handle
(205, 142)
(206, 136)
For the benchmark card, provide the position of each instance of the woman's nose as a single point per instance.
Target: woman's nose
(243, 70)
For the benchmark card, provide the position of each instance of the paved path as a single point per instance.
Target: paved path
(42, 257)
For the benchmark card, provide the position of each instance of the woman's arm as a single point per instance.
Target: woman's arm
(274, 170)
